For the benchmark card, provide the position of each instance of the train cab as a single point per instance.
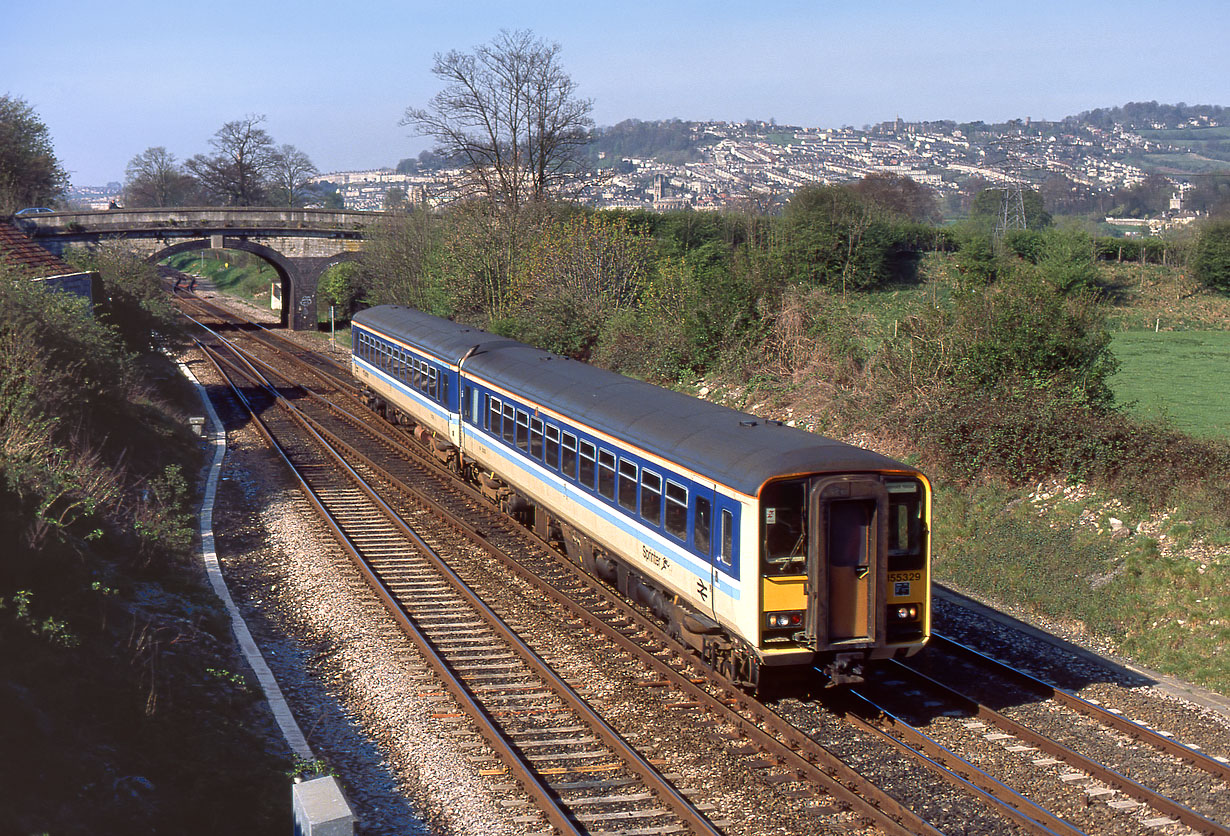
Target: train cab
(843, 569)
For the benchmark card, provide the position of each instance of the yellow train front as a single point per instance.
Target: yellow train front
(776, 554)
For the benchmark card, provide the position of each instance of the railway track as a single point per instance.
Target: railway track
(790, 744)
(579, 772)
(1071, 744)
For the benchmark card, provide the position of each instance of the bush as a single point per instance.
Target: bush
(976, 260)
(340, 286)
(1029, 244)
(1019, 333)
(1066, 260)
(1211, 261)
(833, 237)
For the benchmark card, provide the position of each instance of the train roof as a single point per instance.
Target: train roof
(733, 448)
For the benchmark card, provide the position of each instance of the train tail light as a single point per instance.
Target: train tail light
(905, 612)
(784, 620)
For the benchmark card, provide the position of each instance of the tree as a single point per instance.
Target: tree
(237, 173)
(1150, 196)
(511, 115)
(154, 178)
(579, 272)
(1211, 263)
(290, 176)
(30, 174)
(396, 198)
(832, 236)
(398, 255)
(899, 195)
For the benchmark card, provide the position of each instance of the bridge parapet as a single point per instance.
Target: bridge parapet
(221, 218)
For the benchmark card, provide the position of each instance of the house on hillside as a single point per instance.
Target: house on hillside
(19, 252)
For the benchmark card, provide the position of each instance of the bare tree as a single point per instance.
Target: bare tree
(510, 113)
(154, 178)
(290, 175)
(237, 173)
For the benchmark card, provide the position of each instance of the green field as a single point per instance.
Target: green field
(1180, 376)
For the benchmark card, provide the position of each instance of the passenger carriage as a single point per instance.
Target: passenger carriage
(772, 551)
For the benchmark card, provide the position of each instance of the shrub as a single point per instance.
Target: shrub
(976, 260)
(134, 301)
(1019, 333)
(340, 286)
(1066, 260)
(1211, 261)
(833, 237)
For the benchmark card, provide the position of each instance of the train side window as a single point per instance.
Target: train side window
(627, 484)
(569, 459)
(442, 393)
(474, 406)
(651, 497)
(433, 383)
(510, 423)
(523, 429)
(493, 415)
(536, 438)
(676, 510)
(606, 473)
(701, 525)
(726, 540)
(552, 436)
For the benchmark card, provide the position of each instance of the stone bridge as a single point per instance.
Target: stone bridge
(300, 244)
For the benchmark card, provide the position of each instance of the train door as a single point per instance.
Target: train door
(846, 565)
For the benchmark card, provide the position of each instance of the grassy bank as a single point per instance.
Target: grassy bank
(1148, 588)
(126, 705)
(1123, 573)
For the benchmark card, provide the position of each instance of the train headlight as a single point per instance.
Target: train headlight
(906, 612)
(783, 620)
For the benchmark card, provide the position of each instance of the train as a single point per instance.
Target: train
(779, 556)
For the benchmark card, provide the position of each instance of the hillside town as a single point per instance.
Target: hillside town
(764, 163)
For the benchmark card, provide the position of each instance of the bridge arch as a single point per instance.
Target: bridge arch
(298, 243)
(291, 283)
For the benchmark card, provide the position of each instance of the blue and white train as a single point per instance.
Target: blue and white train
(777, 554)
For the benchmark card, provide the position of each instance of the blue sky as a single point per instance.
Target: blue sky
(111, 79)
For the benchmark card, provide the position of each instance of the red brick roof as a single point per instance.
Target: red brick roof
(17, 250)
